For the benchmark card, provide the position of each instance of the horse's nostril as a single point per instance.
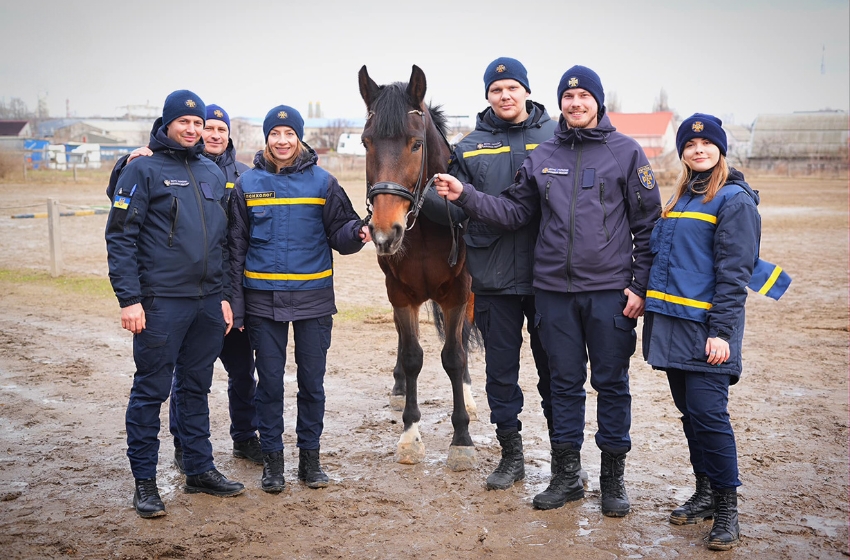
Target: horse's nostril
(398, 230)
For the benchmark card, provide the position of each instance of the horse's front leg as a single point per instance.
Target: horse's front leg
(411, 450)
(462, 451)
(397, 396)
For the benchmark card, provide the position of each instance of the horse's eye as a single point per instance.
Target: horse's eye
(417, 145)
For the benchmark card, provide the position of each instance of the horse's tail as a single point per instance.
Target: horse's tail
(471, 335)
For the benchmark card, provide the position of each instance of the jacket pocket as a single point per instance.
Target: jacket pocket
(261, 225)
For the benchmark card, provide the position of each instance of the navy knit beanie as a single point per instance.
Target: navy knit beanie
(217, 113)
(182, 102)
(701, 125)
(283, 115)
(505, 68)
(584, 78)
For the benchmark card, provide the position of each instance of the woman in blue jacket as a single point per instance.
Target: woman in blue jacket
(287, 214)
(705, 253)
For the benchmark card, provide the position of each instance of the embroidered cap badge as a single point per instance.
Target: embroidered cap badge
(697, 126)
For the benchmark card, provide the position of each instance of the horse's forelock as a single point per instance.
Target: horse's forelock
(390, 108)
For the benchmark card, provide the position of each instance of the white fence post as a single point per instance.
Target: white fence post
(55, 237)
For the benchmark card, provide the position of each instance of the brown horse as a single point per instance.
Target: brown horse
(405, 146)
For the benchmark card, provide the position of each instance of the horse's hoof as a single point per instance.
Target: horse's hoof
(411, 453)
(461, 458)
(397, 402)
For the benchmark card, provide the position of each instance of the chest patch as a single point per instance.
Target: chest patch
(489, 145)
(555, 171)
(647, 179)
(258, 195)
(176, 183)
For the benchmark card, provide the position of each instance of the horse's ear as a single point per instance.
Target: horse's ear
(368, 88)
(417, 86)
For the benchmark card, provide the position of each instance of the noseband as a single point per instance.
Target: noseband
(416, 198)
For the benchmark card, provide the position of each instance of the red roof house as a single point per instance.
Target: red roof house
(653, 131)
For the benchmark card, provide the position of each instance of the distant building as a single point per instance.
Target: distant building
(655, 132)
(99, 131)
(17, 129)
(800, 142)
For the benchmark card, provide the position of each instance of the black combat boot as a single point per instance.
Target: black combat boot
(725, 532)
(273, 481)
(698, 507)
(146, 500)
(309, 469)
(249, 449)
(615, 501)
(178, 459)
(512, 466)
(566, 485)
(214, 483)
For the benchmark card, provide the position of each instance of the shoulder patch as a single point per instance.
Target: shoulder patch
(256, 195)
(121, 202)
(647, 179)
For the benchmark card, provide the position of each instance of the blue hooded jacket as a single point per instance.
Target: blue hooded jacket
(166, 230)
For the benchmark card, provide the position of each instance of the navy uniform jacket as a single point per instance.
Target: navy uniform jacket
(280, 241)
(594, 193)
(500, 261)
(705, 254)
(166, 230)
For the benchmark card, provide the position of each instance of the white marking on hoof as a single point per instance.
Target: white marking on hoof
(411, 450)
(397, 402)
(471, 409)
(461, 458)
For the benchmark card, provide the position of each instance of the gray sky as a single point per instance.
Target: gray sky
(732, 58)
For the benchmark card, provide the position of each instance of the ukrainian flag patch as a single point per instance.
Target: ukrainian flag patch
(121, 202)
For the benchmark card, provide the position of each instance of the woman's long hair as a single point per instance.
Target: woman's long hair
(709, 187)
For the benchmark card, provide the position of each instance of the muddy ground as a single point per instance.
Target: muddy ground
(66, 370)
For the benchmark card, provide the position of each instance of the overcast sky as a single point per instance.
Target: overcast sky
(732, 58)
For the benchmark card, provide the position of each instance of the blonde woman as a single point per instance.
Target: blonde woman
(705, 253)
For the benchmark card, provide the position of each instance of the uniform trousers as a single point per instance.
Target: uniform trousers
(703, 398)
(180, 343)
(575, 327)
(312, 338)
(500, 319)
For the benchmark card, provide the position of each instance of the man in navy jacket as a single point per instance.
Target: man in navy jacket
(166, 245)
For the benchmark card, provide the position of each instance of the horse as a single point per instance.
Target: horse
(422, 260)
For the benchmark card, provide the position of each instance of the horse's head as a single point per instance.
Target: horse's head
(397, 134)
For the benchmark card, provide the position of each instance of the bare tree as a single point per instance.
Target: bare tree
(661, 103)
(16, 109)
(328, 136)
(612, 102)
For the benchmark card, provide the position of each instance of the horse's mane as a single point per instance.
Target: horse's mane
(389, 111)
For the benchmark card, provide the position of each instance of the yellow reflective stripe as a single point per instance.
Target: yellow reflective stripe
(228, 185)
(492, 151)
(771, 281)
(679, 300)
(273, 201)
(275, 276)
(694, 216)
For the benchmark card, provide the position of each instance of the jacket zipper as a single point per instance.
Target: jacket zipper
(175, 210)
(573, 221)
(197, 192)
(604, 214)
(546, 197)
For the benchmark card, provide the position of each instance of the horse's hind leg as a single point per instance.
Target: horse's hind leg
(471, 408)
(411, 450)
(462, 451)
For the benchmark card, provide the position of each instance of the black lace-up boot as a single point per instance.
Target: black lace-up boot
(512, 466)
(309, 469)
(214, 483)
(273, 481)
(698, 507)
(146, 500)
(565, 485)
(725, 533)
(249, 449)
(615, 501)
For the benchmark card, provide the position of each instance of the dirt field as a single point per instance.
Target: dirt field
(66, 369)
